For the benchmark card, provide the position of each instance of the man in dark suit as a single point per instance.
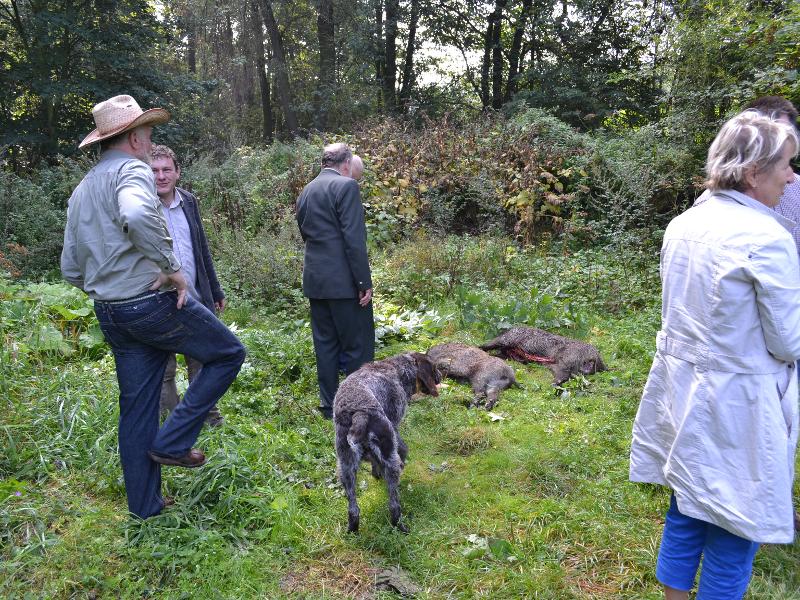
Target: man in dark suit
(182, 215)
(336, 275)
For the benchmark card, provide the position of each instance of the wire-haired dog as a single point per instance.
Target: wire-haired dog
(564, 356)
(487, 374)
(367, 411)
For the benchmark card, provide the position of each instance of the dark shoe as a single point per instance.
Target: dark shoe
(214, 418)
(326, 412)
(193, 458)
(167, 501)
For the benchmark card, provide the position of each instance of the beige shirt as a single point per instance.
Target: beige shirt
(115, 239)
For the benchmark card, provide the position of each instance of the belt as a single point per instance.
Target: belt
(134, 299)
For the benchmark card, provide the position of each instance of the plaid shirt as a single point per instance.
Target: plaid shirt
(789, 207)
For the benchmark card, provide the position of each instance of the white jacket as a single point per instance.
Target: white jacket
(718, 419)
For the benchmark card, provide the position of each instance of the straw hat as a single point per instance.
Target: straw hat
(120, 114)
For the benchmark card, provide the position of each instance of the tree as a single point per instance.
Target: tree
(390, 55)
(59, 59)
(280, 68)
(268, 124)
(327, 63)
(408, 63)
(515, 54)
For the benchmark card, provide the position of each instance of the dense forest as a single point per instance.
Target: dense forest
(522, 159)
(425, 89)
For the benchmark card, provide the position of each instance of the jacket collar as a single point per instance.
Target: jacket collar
(113, 154)
(745, 200)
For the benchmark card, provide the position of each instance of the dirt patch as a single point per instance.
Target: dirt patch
(348, 577)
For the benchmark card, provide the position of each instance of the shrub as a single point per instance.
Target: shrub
(32, 216)
(254, 187)
(641, 179)
(425, 268)
(491, 314)
(264, 268)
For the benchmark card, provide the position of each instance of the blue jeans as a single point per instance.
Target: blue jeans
(142, 333)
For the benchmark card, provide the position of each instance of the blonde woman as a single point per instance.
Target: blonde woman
(718, 419)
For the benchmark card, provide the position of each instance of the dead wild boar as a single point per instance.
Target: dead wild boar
(564, 356)
(487, 374)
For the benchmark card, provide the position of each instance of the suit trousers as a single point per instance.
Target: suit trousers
(142, 333)
(344, 335)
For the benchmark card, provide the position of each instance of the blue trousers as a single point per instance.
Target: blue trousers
(142, 333)
(727, 558)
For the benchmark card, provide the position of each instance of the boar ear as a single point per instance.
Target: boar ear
(427, 375)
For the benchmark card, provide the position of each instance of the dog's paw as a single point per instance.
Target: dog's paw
(352, 524)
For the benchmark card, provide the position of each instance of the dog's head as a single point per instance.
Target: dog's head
(427, 374)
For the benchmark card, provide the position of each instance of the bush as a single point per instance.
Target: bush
(263, 268)
(32, 216)
(640, 179)
(424, 268)
(254, 187)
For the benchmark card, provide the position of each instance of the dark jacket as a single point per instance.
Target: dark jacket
(207, 284)
(331, 220)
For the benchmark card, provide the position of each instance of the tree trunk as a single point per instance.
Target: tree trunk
(191, 47)
(268, 124)
(279, 68)
(327, 64)
(408, 64)
(378, 51)
(390, 55)
(497, 56)
(514, 57)
(487, 54)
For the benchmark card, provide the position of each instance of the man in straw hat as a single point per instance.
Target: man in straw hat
(117, 249)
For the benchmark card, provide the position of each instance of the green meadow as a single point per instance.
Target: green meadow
(530, 500)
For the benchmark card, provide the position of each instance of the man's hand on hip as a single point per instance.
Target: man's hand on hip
(365, 297)
(177, 280)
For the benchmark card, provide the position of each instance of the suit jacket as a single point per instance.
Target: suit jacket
(207, 284)
(331, 220)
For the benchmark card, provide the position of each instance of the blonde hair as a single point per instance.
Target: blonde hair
(748, 141)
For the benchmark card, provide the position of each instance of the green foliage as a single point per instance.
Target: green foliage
(45, 317)
(492, 315)
(394, 324)
(723, 54)
(640, 179)
(425, 268)
(252, 188)
(498, 503)
(61, 58)
(32, 215)
(264, 268)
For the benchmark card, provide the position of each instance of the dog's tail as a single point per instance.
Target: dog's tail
(375, 432)
(358, 431)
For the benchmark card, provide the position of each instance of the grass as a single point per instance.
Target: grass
(531, 501)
